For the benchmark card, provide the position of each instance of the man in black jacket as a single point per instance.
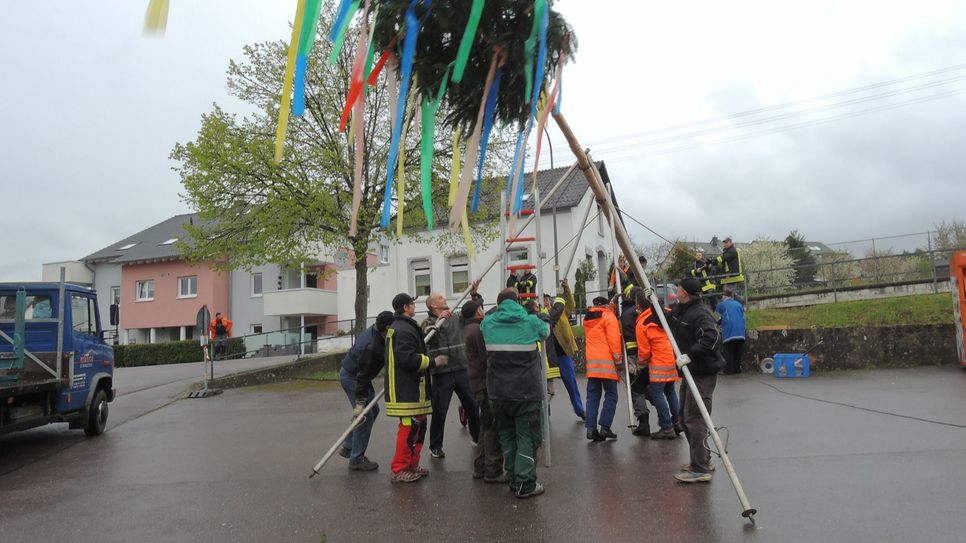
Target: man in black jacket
(488, 462)
(699, 340)
(639, 378)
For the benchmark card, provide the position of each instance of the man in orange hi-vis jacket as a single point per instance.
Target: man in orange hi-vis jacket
(605, 362)
(220, 331)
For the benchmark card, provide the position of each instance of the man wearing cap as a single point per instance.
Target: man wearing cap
(408, 388)
(513, 382)
(448, 341)
(699, 341)
(488, 462)
(360, 366)
(730, 260)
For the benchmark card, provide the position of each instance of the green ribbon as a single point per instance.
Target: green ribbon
(313, 8)
(540, 6)
(340, 37)
(427, 112)
(467, 42)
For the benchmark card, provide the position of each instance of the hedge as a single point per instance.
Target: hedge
(171, 352)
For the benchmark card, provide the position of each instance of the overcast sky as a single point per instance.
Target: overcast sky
(90, 109)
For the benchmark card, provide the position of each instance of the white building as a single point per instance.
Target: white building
(417, 266)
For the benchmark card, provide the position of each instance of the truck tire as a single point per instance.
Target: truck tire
(97, 414)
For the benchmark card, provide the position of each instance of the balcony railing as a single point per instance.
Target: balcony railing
(300, 301)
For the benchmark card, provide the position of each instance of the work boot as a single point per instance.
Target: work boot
(687, 467)
(678, 427)
(536, 490)
(594, 435)
(693, 477)
(643, 428)
(421, 471)
(665, 433)
(405, 476)
(363, 464)
(606, 433)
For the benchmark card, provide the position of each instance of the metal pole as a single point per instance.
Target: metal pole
(932, 264)
(580, 225)
(60, 330)
(593, 179)
(835, 293)
(301, 316)
(497, 258)
(545, 418)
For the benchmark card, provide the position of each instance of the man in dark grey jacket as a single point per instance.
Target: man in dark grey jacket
(449, 342)
(699, 340)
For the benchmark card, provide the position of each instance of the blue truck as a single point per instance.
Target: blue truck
(54, 363)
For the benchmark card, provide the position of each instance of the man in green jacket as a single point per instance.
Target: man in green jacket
(515, 388)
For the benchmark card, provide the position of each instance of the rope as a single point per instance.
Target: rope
(919, 419)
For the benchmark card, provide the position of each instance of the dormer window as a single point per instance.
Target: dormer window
(169, 242)
(126, 247)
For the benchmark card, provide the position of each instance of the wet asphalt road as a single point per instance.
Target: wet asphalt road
(234, 468)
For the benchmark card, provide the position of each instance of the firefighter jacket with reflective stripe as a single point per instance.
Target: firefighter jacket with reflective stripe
(602, 333)
(654, 348)
(407, 365)
(732, 266)
(700, 270)
(563, 335)
(628, 322)
(552, 317)
(525, 285)
(512, 359)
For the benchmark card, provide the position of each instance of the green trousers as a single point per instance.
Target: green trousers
(518, 425)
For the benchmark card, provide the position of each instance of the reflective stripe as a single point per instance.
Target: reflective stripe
(512, 347)
(630, 344)
(424, 363)
(559, 300)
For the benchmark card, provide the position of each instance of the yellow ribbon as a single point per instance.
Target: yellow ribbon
(156, 18)
(401, 166)
(454, 170)
(286, 102)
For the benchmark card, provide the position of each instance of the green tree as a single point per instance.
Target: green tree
(585, 272)
(679, 261)
(806, 265)
(950, 235)
(767, 265)
(255, 211)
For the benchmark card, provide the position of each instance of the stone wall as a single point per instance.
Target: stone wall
(858, 348)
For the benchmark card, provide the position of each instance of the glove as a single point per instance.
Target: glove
(648, 292)
(633, 369)
(683, 360)
(620, 367)
(357, 410)
(441, 361)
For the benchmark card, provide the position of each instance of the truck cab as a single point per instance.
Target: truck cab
(54, 363)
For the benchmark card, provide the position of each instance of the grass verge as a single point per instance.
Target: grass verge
(919, 309)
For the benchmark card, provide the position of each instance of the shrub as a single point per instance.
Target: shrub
(171, 352)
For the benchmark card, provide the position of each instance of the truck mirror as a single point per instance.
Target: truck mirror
(115, 314)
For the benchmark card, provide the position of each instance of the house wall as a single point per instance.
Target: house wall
(248, 309)
(167, 309)
(107, 275)
(388, 279)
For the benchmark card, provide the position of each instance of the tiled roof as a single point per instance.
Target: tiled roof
(153, 243)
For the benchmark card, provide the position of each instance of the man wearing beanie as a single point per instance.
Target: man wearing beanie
(407, 388)
(488, 462)
(360, 366)
(699, 341)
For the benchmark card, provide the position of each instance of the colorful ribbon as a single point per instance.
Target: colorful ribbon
(156, 18)
(426, 148)
(491, 99)
(298, 91)
(454, 169)
(472, 150)
(358, 83)
(406, 68)
(306, 39)
(541, 60)
(545, 114)
(342, 23)
(358, 116)
(539, 7)
(283, 110)
(401, 174)
(466, 44)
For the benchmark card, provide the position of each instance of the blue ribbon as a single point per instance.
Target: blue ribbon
(341, 14)
(298, 91)
(405, 69)
(541, 60)
(488, 113)
(556, 105)
(518, 200)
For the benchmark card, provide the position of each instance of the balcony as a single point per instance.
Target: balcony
(300, 301)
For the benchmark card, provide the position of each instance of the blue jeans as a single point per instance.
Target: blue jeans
(358, 440)
(665, 400)
(594, 388)
(569, 378)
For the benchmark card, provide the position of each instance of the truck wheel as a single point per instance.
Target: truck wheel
(97, 414)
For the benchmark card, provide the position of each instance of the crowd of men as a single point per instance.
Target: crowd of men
(500, 364)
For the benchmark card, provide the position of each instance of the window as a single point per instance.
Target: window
(126, 247)
(188, 287)
(383, 253)
(519, 256)
(256, 284)
(600, 221)
(116, 295)
(169, 242)
(257, 328)
(459, 274)
(145, 290)
(82, 315)
(421, 276)
(36, 307)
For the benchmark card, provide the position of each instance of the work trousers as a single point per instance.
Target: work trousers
(640, 392)
(444, 384)
(695, 428)
(358, 440)
(488, 461)
(595, 387)
(518, 425)
(409, 443)
(732, 351)
(665, 401)
(569, 378)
